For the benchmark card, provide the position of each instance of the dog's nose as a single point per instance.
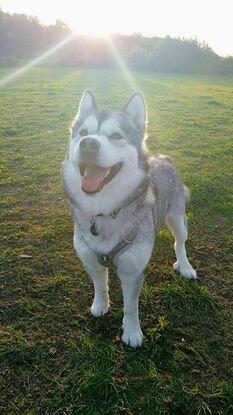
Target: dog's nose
(89, 145)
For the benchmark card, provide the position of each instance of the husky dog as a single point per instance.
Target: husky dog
(120, 196)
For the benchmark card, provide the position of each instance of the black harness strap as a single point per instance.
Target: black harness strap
(108, 259)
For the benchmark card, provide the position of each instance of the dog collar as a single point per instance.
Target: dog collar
(93, 224)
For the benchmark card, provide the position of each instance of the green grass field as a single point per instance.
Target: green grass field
(55, 357)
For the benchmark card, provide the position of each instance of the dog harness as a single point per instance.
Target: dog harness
(108, 259)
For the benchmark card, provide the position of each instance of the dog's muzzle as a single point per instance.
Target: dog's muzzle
(89, 147)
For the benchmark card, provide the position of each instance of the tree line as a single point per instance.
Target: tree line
(23, 38)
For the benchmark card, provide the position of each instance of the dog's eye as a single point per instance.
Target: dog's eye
(116, 136)
(83, 133)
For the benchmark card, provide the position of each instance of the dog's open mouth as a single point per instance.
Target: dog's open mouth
(94, 177)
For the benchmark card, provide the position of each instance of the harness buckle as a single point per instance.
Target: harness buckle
(105, 258)
(115, 213)
(128, 241)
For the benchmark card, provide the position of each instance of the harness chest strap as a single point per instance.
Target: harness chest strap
(108, 259)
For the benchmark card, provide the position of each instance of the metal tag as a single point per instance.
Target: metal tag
(105, 258)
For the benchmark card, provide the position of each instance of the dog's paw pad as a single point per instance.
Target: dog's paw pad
(99, 309)
(132, 338)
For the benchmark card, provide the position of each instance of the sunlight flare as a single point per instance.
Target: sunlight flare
(121, 63)
(6, 80)
(117, 56)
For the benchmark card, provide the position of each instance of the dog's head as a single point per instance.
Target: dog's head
(107, 150)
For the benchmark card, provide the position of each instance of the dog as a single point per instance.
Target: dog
(120, 197)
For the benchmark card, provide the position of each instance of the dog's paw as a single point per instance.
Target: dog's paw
(99, 308)
(186, 270)
(133, 338)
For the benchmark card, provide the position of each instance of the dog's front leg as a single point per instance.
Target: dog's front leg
(130, 269)
(131, 286)
(98, 274)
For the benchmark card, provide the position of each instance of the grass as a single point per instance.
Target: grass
(55, 357)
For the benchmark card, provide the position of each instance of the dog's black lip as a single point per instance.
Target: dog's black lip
(114, 170)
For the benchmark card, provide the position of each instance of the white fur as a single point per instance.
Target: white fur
(98, 274)
(86, 104)
(178, 227)
(90, 124)
(136, 108)
(110, 126)
(130, 266)
(109, 198)
(131, 263)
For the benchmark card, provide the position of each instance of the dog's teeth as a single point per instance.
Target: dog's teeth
(107, 172)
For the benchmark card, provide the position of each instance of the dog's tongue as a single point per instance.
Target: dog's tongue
(93, 177)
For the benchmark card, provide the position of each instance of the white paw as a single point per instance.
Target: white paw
(186, 270)
(133, 338)
(99, 308)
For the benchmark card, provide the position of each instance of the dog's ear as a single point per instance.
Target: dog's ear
(87, 104)
(136, 108)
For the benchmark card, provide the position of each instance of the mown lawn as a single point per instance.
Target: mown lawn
(55, 357)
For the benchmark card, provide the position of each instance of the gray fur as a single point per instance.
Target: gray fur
(170, 196)
(163, 200)
(133, 134)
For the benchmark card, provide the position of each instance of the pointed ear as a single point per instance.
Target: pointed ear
(87, 103)
(136, 108)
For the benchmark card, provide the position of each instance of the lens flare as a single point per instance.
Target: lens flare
(34, 62)
(116, 55)
(121, 63)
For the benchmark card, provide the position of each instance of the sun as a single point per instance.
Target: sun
(92, 32)
(97, 19)
(92, 29)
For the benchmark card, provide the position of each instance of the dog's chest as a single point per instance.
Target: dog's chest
(102, 233)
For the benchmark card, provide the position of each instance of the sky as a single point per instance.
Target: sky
(205, 20)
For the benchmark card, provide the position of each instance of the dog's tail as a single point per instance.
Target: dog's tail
(187, 195)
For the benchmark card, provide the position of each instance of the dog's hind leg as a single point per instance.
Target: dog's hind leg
(98, 274)
(178, 225)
